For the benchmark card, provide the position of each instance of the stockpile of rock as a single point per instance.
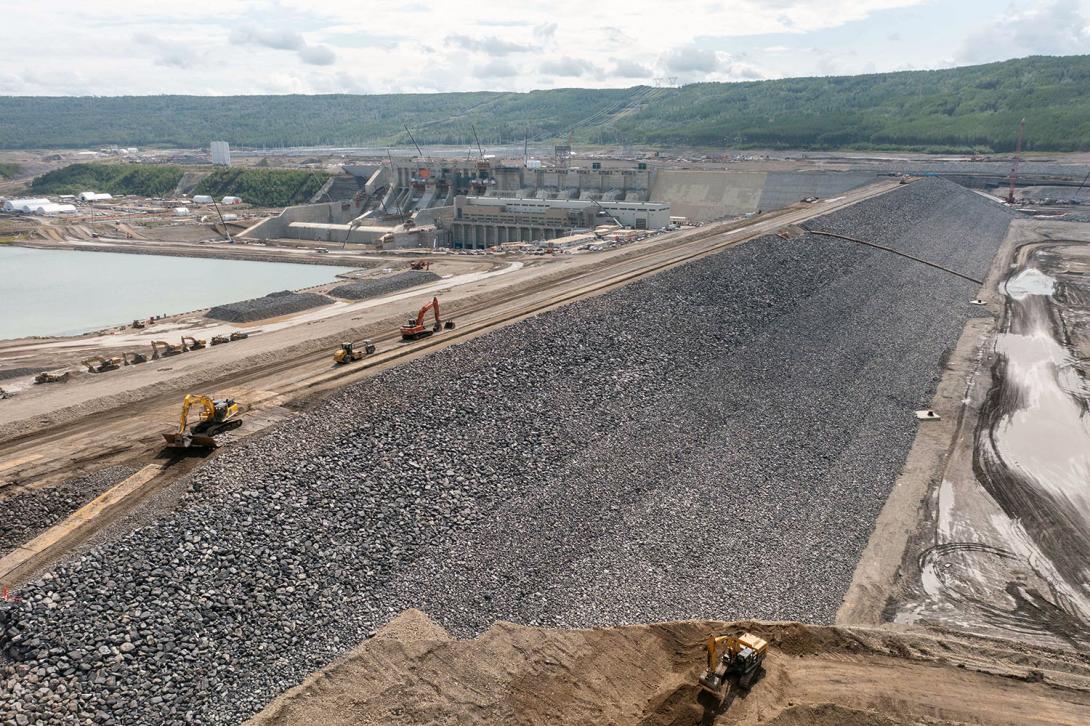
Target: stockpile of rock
(272, 305)
(365, 289)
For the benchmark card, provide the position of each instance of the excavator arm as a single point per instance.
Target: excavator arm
(205, 403)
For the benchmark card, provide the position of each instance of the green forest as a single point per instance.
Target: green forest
(8, 170)
(263, 187)
(142, 179)
(970, 108)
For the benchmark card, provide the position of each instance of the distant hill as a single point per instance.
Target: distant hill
(970, 108)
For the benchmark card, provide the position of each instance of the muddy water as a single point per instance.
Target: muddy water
(64, 292)
(1012, 515)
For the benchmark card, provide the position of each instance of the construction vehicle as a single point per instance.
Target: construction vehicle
(348, 352)
(738, 654)
(163, 349)
(139, 324)
(132, 358)
(415, 329)
(191, 343)
(219, 340)
(217, 416)
(239, 336)
(47, 377)
(100, 364)
(420, 265)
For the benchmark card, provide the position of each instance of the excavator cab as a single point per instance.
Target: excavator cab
(737, 654)
(217, 415)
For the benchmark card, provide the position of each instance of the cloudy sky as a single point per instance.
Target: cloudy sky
(108, 47)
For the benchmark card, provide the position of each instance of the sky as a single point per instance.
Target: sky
(142, 47)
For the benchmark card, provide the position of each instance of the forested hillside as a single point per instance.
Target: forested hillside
(263, 187)
(976, 107)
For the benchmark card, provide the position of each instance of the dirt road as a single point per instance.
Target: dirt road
(413, 672)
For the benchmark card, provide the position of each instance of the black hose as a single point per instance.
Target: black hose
(896, 252)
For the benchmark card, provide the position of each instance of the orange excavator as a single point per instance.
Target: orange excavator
(415, 329)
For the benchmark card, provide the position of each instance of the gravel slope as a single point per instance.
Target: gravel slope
(713, 441)
(27, 514)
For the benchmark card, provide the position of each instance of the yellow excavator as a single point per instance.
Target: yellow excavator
(101, 364)
(348, 352)
(217, 416)
(739, 654)
(191, 343)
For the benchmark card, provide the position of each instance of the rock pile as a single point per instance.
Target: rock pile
(365, 289)
(716, 440)
(27, 514)
(272, 305)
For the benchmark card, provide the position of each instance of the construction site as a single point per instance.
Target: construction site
(591, 438)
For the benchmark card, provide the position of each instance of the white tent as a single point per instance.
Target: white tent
(202, 199)
(23, 205)
(50, 209)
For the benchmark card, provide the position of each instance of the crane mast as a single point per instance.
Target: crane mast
(1017, 158)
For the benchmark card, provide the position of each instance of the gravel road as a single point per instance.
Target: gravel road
(714, 441)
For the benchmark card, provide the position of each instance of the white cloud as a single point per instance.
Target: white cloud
(690, 59)
(147, 47)
(277, 39)
(1057, 28)
(567, 67)
(495, 69)
(629, 69)
(488, 45)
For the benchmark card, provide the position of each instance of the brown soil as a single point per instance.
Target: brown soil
(413, 672)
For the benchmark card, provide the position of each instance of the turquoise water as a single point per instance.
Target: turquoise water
(63, 292)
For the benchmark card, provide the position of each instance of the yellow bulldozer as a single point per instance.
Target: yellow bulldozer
(217, 416)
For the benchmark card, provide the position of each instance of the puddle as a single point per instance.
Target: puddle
(1030, 281)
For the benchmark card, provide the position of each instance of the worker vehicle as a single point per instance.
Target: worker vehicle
(47, 377)
(736, 654)
(217, 415)
(191, 343)
(163, 349)
(415, 329)
(348, 352)
(101, 364)
(132, 358)
(420, 264)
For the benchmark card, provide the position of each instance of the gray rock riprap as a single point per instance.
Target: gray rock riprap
(24, 515)
(365, 289)
(272, 305)
(714, 441)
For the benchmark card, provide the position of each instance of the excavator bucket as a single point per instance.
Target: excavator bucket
(189, 441)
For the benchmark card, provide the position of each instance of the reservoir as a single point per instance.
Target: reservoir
(66, 292)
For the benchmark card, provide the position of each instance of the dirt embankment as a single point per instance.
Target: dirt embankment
(414, 672)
